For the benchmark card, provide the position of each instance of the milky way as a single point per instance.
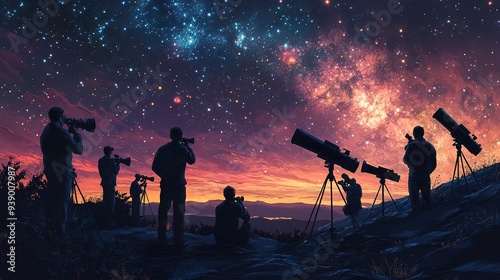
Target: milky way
(240, 76)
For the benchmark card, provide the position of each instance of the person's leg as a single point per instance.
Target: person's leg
(165, 202)
(244, 233)
(112, 206)
(108, 199)
(61, 204)
(413, 189)
(50, 203)
(179, 210)
(426, 191)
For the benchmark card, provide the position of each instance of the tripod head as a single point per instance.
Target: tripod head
(457, 144)
(329, 164)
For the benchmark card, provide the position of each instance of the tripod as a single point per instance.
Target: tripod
(382, 187)
(74, 199)
(317, 204)
(460, 161)
(145, 197)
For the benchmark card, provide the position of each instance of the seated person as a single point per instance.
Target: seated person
(227, 215)
(353, 195)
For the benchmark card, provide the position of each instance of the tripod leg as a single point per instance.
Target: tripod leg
(90, 213)
(455, 173)
(143, 201)
(331, 207)
(391, 197)
(74, 197)
(316, 207)
(150, 208)
(369, 212)
(472, 172)
(383, 199)
(463, 174)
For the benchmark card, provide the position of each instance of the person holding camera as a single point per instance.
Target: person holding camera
(135, 193)
(353, 195)
(108, 169)
(420, 157)
(227, 216)
(58, 148)
(170, 164)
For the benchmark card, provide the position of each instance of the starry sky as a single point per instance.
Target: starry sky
(240, 76)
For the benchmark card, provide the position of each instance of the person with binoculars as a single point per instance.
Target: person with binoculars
(108, 170)
(227, 216)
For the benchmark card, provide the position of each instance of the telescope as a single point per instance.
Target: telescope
(458, 131)
(152, 179)
(380, 172)
(85, 124)
(125, 161)
(325, 150)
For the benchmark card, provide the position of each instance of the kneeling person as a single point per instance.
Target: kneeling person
(227, 215)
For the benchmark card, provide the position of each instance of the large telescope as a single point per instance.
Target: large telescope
(458, 131)
(325, 150)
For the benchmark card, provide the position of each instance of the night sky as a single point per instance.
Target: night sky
(240, 76)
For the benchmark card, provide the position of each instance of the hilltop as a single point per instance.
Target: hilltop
(455, 238)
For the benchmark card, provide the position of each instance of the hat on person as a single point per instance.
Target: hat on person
(108, 150)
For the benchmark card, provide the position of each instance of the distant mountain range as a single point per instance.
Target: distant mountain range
(299, 211)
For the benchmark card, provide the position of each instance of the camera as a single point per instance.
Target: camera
(410, 139)
(346, 180)
(144, 178)
(239, 198)
(407, 136)
(85, 124)
(125, 161)
(187, 140)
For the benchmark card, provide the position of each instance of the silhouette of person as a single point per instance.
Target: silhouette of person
(420, 157)
(58, 148)
(227, 215)
(108, 169)
(353, 193)
(170, 164)
(135, 193)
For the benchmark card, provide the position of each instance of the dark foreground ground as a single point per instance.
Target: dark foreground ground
(455, 238)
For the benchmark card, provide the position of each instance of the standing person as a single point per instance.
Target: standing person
(227, 217)
(58, 148)
(420, 157)
(108, 169)
(170, 164)
(135, 193)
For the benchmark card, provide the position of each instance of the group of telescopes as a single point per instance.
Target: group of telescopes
(332, 155)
